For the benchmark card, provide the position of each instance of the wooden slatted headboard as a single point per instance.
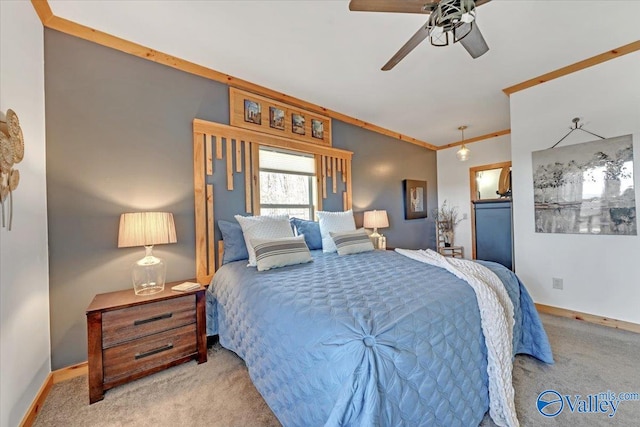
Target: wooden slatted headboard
(230, 143)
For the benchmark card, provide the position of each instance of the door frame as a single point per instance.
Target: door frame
(473, 186)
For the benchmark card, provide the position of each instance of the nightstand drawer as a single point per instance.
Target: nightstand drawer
(146, 353)
(130, 323)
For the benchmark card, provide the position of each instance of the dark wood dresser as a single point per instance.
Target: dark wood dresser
(132, 336)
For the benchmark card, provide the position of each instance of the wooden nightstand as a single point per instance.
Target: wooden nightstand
(133, 336)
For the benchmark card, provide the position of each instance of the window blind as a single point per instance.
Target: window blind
(286, 161)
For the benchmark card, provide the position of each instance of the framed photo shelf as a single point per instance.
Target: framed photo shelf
(255, 112)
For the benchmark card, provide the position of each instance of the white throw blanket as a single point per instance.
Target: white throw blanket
(496, 315)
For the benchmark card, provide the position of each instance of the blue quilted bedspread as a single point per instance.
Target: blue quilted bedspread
(363, 340)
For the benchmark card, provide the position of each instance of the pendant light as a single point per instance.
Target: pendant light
(463, 153)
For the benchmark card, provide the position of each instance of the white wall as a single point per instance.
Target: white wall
(25, 358)
(453, 180)
(601, 273)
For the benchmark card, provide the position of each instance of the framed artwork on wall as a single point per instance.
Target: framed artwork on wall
(276, 118)
(297, 123)
(317, 129)
(252, 112)
(586, 188)
(415, 199)
(280, 119)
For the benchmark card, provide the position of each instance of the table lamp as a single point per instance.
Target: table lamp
(147, 229)
(376, 219)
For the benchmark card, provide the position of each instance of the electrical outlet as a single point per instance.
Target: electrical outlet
(556, 283)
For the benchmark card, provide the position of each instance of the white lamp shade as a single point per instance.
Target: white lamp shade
(376, 219)
(146, 229)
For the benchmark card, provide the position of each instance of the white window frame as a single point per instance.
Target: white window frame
(312, 183)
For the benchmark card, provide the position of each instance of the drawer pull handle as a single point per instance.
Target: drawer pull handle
(153, 319)
(154, 351)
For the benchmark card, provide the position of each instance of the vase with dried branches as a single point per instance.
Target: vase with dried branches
(446, 218)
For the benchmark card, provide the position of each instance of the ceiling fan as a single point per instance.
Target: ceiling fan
(450, 21)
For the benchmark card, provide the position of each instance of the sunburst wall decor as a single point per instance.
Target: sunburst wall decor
(11, 153)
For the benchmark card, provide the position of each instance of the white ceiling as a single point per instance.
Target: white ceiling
(321, 52)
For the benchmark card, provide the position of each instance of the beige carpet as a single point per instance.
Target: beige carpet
(216, 393)
(589, 359)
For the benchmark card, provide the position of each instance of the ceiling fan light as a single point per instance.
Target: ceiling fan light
(468, 17)
(463, 153)
(455, 18)
(436, 31)
(461, 32)
(441, 40)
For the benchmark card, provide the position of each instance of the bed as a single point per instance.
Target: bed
(374, 338)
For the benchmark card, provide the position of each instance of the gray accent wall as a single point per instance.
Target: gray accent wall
(119, 139)
(380, 164)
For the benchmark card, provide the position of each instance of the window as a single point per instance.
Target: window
(287, 183)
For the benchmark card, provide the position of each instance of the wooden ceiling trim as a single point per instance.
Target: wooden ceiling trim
(476, 139)
(581, 65)
(212, 128)
(43, 10)
(66, 26)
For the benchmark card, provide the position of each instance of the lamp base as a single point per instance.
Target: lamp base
(148, 274)
(148, 289)
(376, 239)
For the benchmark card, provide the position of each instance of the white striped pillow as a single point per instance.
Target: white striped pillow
(352, 242)
(334, 222)
(274, 253)
(263, 227)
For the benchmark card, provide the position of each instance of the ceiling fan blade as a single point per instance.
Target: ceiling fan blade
(401, 6)
(414, 41)
(473, 42)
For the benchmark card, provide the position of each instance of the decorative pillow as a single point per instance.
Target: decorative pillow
(334, 222)
(274, 253)
(352, 242)
(263, 227)
(235, 248)
(311, 231)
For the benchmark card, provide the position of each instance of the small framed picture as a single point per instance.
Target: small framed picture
(415, 199)
(252, 112)
(297, 123)
(276, 118)
(317, 128)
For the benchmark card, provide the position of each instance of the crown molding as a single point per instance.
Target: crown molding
(43, 10)
(581, 65)
(476, 139)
